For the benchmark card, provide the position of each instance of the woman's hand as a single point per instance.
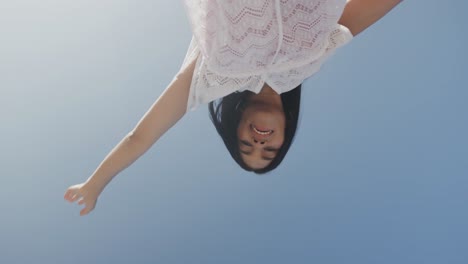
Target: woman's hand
(85, 194)
(161, 116)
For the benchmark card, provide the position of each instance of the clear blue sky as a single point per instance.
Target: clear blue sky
(377, 174)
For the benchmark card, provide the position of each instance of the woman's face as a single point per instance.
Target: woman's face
(261, 129)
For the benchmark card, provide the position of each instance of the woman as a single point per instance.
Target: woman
(248, 62)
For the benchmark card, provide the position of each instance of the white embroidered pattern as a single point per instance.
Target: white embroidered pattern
(245, 43)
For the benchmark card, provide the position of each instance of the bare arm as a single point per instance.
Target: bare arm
(169, 108)
(165, 112)
(360, 14)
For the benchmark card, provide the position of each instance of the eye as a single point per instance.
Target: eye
(244, 142)
(270, 149)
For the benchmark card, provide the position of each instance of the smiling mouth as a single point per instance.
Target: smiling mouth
(261, 132)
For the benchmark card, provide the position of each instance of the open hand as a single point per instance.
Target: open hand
(84, 195)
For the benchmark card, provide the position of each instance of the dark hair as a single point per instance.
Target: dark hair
(226, 113)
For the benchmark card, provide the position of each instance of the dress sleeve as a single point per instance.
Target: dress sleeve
(192, 53)
(287, 80)
(340, 36)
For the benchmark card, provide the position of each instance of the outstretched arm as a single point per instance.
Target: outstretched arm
(167, 110)
(161, 116)
(360, 14)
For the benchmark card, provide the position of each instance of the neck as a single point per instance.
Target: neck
(267, 95)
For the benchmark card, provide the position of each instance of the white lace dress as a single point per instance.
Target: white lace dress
(246, 43)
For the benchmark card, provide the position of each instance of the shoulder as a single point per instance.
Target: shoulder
(358, 15)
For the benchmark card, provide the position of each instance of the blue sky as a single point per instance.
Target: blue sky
(377, 173)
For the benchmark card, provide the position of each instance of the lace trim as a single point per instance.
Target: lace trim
(240, 45)
(240, 38)
(207, 86)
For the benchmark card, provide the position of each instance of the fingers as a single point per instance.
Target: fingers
(75, 193)
(84, 211)
(75, 197)
(72, 195)
(88, 208)
(68, 194)
(89, 205)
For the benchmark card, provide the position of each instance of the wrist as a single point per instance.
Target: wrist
(94, 186)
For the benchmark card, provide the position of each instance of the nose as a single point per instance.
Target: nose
(261, 142)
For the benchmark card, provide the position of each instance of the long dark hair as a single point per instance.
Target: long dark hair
(226, 113)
